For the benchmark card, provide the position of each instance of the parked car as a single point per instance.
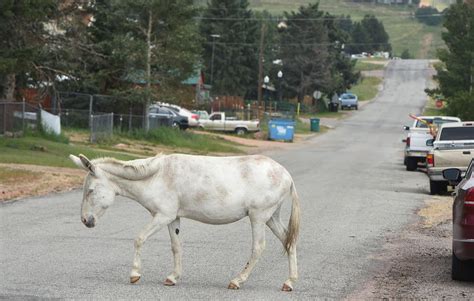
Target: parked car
(203, 115)
(164, 116)
(349, 100)
(463, 222)
(193, 119)
(415, 142)
(453, 147)
(219, 122)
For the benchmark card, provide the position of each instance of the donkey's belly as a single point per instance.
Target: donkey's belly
(215, 217)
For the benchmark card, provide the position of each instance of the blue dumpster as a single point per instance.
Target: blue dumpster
(281, 129)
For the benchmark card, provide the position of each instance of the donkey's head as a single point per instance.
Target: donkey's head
(98, 191)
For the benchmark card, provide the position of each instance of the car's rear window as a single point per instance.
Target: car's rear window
(436, 121)
(348, 96)
(458, 133)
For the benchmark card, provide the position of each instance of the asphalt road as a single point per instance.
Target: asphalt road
(353, 189)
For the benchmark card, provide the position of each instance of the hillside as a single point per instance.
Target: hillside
(404, 31)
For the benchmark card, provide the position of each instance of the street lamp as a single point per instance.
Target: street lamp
(214, 37)
(266, 80)
(280, 77)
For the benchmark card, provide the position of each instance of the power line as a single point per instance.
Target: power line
(280, 19)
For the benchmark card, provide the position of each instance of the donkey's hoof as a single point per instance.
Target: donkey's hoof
(169, 282)
(233, 286)
(286, 288)
(134, 279)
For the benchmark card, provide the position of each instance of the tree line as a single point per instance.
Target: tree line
(128, 48)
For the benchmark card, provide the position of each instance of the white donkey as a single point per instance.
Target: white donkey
(212, 190)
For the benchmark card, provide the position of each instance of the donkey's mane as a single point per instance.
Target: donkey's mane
(131, 170)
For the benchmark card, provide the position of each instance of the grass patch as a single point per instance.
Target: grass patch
(183, 139)
(367, 88)
(367, 66)
(431, 109)
(39, 151)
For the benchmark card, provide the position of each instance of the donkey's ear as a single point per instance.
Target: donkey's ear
(82, 162)
(87, 163)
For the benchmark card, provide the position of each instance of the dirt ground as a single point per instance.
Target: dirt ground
(37, 180)
(416, 263)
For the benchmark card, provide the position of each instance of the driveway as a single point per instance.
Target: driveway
(354, 192)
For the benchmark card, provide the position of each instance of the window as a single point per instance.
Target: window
(457, 133)
(216, 117)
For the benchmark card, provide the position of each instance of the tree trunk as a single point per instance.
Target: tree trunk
(148, 72)
(9, 88)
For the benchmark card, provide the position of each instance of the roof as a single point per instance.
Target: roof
(457, 124)
(138, 77)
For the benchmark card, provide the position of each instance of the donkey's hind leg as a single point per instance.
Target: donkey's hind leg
(281, 231)
(258, 245)
(173, 229)
(158, 222)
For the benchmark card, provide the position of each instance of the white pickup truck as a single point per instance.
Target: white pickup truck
(415, 147)
(219, 122)
(453, 147)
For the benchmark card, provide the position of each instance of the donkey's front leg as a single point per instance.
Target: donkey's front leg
(173, 229)
(258, 245)
(158, 222)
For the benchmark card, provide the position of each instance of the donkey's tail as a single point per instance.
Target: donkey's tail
(294, 222)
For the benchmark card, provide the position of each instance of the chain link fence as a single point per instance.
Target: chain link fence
(102, 127)
(17, 117)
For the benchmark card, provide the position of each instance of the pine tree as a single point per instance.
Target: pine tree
(230, 47)
(456, 74)
(22, 39)
(304, 52)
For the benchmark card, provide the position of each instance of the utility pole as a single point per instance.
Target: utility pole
(260, 68)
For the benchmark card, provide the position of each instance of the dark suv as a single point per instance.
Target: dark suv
(161, 116)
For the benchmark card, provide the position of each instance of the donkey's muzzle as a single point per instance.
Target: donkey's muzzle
(89, 222)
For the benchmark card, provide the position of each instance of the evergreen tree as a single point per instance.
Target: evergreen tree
(22, 41)
(456, 75)
(304, 52)
(377, 36)
(342, 67)
(145, 42)
(230, 47)
(359, 39)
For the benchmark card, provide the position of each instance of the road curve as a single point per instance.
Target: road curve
(353, 189)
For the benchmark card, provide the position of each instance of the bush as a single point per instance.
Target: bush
(461, 105)
(406, 54)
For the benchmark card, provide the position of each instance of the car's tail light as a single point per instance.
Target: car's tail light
(469, 197)
(408, 141)
(195, 116)
(430, 160)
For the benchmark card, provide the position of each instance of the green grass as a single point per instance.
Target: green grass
(39, 151)
(367, 88)
(362, 65)
(199, 143)
(404, 30)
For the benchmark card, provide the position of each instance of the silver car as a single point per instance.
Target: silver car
(349, 100)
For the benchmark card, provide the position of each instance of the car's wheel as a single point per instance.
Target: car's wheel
(438, 187)
(240, 131)
(175, 125)
(411, 163)
(342, 108)
(357, 107)
(462, 270)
